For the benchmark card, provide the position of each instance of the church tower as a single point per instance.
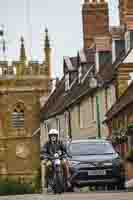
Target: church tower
(22, 84)
(95, 20)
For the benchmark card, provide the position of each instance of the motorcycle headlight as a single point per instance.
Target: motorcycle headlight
(73, 163)
(56, 155)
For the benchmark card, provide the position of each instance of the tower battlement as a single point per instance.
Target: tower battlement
(23, 67)
(18, 68)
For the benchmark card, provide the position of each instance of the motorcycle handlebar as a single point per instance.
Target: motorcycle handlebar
(51, 157)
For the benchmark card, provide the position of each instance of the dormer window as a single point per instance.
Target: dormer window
(80, 74)
(67, 82)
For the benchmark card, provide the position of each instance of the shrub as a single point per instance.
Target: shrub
(37, 181)
(8, 187)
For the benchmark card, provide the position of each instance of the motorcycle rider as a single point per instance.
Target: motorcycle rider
(52, 146)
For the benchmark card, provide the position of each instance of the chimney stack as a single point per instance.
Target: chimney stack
(126, 13)
(95, 20)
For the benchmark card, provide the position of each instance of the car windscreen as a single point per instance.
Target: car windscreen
(86, 148)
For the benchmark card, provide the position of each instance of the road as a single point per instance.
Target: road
(74, 196)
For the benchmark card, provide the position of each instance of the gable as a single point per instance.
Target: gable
(129, 57)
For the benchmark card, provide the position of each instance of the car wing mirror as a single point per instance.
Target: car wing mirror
(69, 155)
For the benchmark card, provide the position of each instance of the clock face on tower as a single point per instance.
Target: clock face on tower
(22, 150)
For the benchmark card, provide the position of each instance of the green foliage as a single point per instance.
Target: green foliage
(130, 125)
(37, 181)
(8, 187)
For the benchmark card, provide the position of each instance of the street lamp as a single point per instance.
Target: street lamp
(94, 84)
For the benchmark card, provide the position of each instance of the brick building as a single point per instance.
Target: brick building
(75, 114)
(107, 57)
(95, 20)
(120, 115)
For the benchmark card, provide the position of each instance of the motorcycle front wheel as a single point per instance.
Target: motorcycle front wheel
(59, 183)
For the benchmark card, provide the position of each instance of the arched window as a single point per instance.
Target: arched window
(17, 117)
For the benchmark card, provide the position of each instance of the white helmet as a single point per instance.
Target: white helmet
(53, 132)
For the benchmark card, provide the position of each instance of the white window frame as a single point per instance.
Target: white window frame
(67, 82)
(0, 71)
(80, 74)
(127, 41)
(114, 50)
(97, 61)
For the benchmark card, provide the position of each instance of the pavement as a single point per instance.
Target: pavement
(74, 196)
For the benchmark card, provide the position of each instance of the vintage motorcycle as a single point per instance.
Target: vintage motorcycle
(56, 178)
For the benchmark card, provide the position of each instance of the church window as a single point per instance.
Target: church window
(17, 117)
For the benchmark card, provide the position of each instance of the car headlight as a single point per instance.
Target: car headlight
(73, 163)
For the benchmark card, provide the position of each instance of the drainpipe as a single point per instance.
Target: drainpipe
(70, 127)
(98, 117)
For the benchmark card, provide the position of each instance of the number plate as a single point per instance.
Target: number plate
(96, 172)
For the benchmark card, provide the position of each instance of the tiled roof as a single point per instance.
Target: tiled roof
(65, 99)
(52, 100)
(60, 100)
(122, 102)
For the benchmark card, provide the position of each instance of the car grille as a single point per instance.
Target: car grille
(82, 173)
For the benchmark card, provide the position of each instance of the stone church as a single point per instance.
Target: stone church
(22, 84)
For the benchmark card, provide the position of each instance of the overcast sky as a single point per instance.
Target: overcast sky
(30, 17)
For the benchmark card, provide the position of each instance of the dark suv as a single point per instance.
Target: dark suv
(95, 162)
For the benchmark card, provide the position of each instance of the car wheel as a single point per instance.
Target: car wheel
(121, 186)
(111, 187)
(100, 188)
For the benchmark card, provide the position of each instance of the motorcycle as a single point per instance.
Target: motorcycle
(56, 178)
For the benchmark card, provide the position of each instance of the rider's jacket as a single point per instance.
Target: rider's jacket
(51, 148)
